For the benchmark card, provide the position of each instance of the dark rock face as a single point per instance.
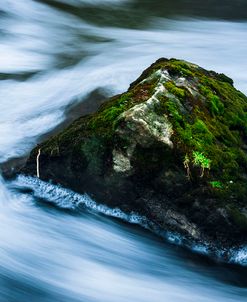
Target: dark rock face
(173, 148)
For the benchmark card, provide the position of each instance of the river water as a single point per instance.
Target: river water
(56, 245)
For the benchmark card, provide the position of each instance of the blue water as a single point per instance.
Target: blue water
(58, 246)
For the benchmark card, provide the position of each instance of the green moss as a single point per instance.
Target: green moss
(171, 87)
(216, 184)
(215, 125)
(195, 136)
(186, 135)
(201, 132)
(171, 108)
(180, 68)
(215, 105)
(209, 119)
(104, 119)
(225, 78)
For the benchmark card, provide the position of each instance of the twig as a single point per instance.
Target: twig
(37, 162)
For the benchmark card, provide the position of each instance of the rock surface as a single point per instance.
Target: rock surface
(172, 148)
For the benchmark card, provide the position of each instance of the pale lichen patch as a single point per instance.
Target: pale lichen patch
(121, 162)
(147, 125)
(143, 125)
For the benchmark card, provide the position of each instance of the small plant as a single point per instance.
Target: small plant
(200, 160)
(216, 184)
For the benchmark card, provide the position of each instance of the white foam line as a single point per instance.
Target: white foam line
(68, 199)
(239, 256)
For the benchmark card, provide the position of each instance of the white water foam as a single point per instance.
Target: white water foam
(68, 199)
(239, 256)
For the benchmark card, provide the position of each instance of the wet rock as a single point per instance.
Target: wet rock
(172, 148)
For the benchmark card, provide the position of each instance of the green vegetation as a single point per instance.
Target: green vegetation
(105, 118)
(212, 124)
(208, 116)
(171, 87)
(172, 109)
(180, 67)
(216, 107)
(215, 125)
(216, 184)
(200, 160)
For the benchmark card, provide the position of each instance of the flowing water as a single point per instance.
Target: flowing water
(59, 246)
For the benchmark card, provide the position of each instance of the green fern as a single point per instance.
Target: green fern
(200, 160)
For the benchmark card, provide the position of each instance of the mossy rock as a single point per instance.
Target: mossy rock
(238, 218)
(179, 134)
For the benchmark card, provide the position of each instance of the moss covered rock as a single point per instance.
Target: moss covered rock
(173, 147)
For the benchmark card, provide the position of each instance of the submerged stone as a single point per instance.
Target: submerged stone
(172, 148)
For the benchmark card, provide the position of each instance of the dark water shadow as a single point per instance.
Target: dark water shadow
(138, 13)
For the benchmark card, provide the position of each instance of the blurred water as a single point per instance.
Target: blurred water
(54, 54)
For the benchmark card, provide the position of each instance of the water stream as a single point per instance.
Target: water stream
(54, 54)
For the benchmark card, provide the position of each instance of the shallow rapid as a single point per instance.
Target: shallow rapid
(56, 245)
